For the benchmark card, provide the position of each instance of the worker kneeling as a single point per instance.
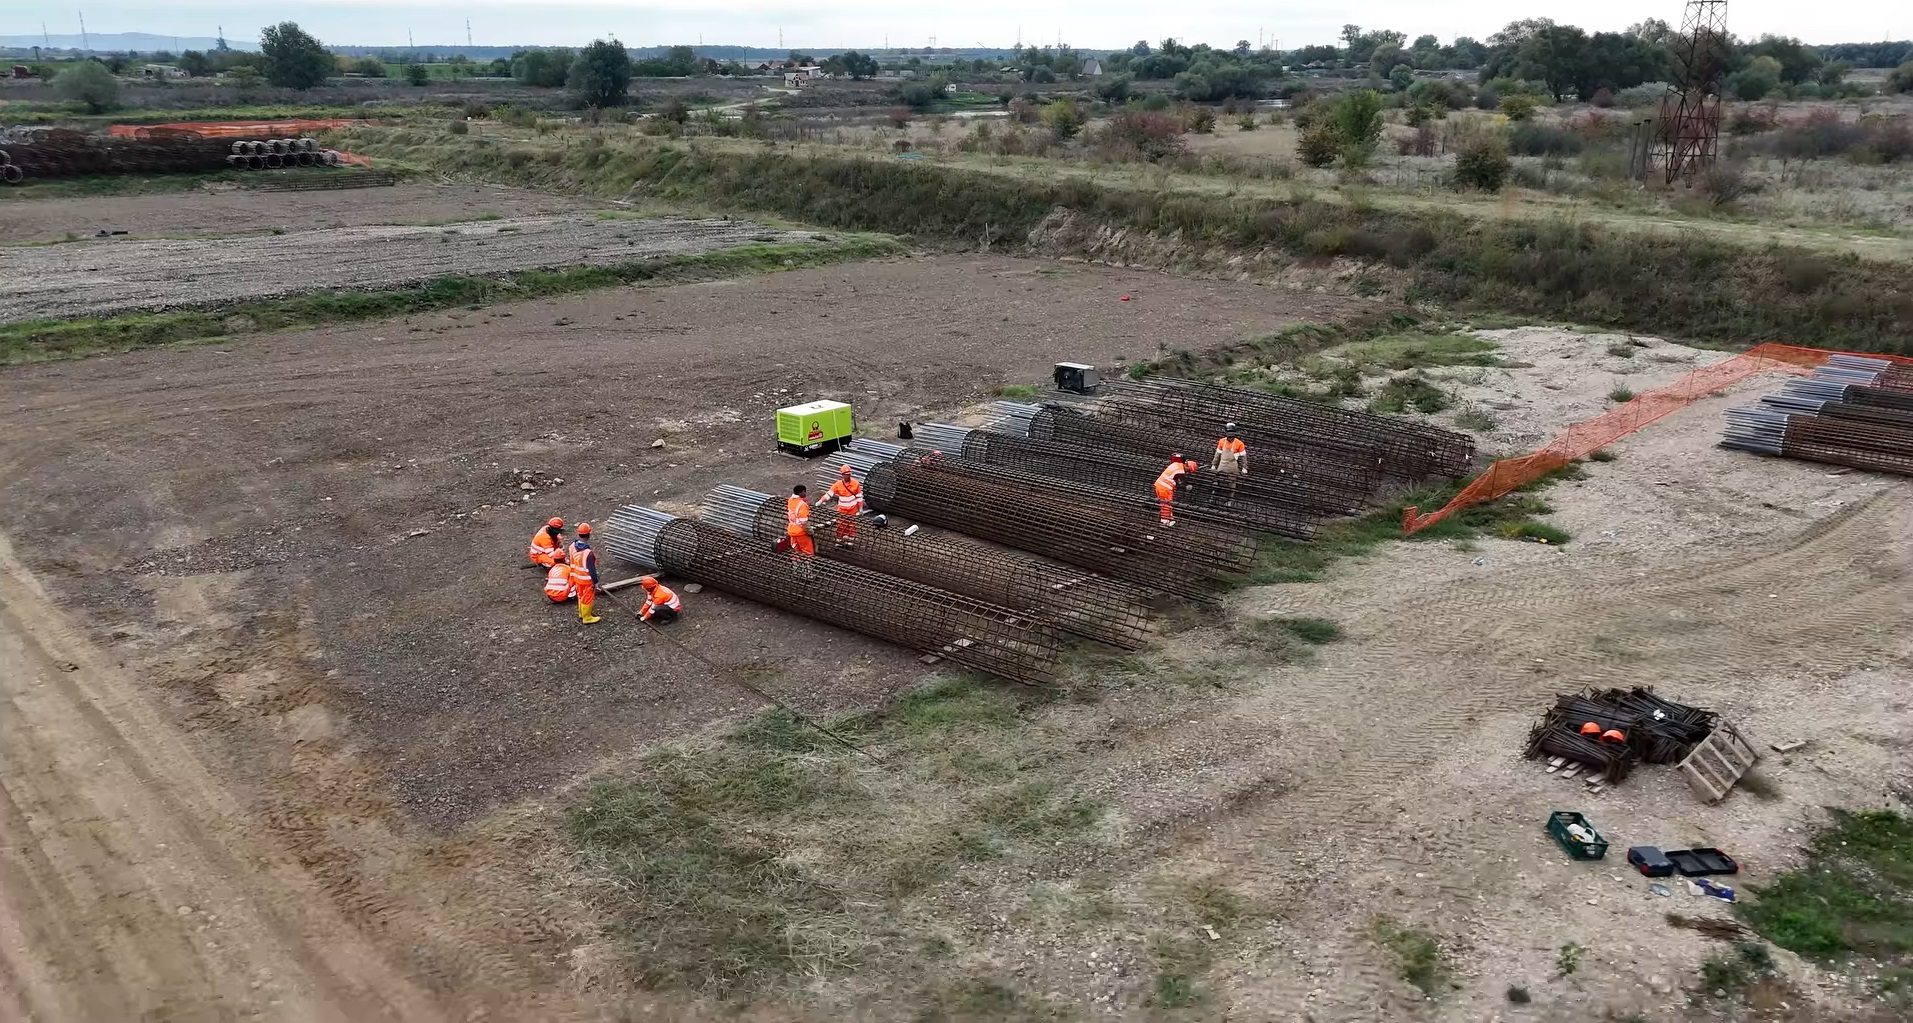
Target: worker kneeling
(661, 603)
(558, 584)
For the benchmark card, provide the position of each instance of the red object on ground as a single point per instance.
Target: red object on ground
(1125, 298)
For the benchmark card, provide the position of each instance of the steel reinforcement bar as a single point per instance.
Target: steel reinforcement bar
(1240, 500)
(1077, 601)
(1007, 643)
(1409, 450)
(1308, 478)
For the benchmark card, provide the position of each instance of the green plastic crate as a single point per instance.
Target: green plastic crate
(1558, 822)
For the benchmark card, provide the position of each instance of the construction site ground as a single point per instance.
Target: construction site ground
(288, 725)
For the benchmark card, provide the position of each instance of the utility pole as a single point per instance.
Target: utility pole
(409, 44)
(468, 33)
(45, 40)
(86, 41)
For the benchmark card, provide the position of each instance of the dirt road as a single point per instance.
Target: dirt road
(132, 884)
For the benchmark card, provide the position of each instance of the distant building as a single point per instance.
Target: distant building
(162, 71)
(1092, 67)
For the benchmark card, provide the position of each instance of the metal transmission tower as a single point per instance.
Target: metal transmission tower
(1690, 118)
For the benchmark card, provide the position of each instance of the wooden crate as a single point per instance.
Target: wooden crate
(1718, 762)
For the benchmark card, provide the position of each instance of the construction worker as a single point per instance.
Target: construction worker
(548, 544)
(797, 529)
(661, 603)
(1166, 486)
(1232, 456)
(558, 582)
(849, 495)
(584, 572)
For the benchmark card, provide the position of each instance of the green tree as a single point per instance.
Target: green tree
(1357, 119)
(1401, 76)
(1753, 82)
(1064, 118)
(417, 74)
(1833, 72)
(859, 66)
(1483, 164)
(245, 76)
(1112, 89)
(293, 58)
(1901, 80)
(1518, 106)
(544, 69)
(601, 74)
(1319, 146)
(1798, 63)
(370, 67)
(88, 82)
(195, 63)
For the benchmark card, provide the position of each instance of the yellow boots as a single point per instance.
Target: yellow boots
(585, 615)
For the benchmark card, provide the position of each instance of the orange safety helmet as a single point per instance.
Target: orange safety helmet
(555, 522)
(1590, 728)
(649, 582)
(584, 529)
(1614, 735)
(844, 469)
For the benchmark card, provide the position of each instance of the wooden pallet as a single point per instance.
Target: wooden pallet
(1718, 762)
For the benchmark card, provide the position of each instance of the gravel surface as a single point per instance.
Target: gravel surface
(253, 503)
(96, 277)
(235, 210)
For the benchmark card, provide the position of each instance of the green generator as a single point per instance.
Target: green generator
(815, 428)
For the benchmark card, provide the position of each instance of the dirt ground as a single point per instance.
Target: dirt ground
(95, 277)
(283, 708)
(235, 210)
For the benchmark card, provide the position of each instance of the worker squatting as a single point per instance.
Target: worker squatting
(572, 569)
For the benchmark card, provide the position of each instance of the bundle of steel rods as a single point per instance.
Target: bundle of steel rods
(1867, 372)
(1077, 601)
(1652, 730)
(1281, 477)
(1408, 450)
(1832, 420)
(1007, 643)
(59, 152)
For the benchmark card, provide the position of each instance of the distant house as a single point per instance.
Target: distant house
(812, 70)
(1092, 67)
(162, 71)
(796, 79)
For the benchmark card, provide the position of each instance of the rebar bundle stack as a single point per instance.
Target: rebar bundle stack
(1405, 450)
(1009, 644)
(1202, 494)
(1653, 730)
(1832, 420)
(59, 152)
(1282, 477)
(1078, 602)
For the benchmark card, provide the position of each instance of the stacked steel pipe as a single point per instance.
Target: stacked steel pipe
(1850, 413)
(1283, 477)
(1404, 450)
(1078, 602)
(60, 152)
(1653, 730)
(1203, 494)
(1009, 644)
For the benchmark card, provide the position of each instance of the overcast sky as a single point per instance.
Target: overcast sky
(867, 23)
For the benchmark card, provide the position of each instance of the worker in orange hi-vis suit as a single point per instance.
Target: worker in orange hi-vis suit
(548, 544)
(584, 572)
(797, 529)
(1166, 487)
(1232, 456)
(558, 582)
(661, 603)
(849, 495)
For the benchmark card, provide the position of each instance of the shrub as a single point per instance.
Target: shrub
(1901, 80)
(1064, 119)
(1358, 119)
(1246, 122)
(1487, 99)
(1647, 94)
(1157, 102)
(1603, 97)
(1142, 135)
(1541, 140)
(416, 74)
(460, 128)
(899, 117)
(1198, 119)
(88, 82)
(1315, 111)
(1518, 107)
(1726, 183)
(1319, 146)
(1482, 164)
(1113, 89)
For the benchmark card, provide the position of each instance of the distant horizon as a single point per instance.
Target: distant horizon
(867, 25)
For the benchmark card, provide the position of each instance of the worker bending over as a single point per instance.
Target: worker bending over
(548, 544)
(1166, 486)
(584, 572)
(1232, 456)
(661, 603)
(797, 529)
(558, 582)
(849, 495)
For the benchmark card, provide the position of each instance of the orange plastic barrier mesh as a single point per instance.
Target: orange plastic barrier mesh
(1585, 438)
(238, 129)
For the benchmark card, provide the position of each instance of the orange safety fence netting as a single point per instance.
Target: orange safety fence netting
(238, 129)
(1584, 438)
